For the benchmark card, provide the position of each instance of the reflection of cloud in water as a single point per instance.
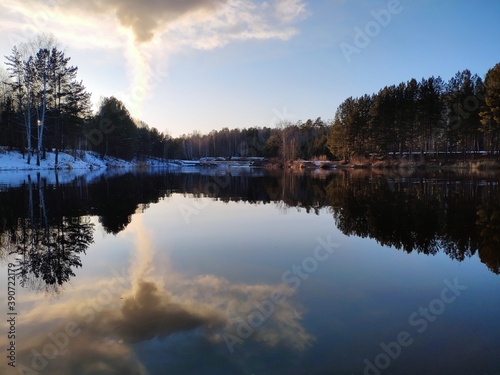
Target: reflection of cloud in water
(150, 313)
(152, 308)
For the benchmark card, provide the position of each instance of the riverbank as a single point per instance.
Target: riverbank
(427, 162)
(476, 163)
(88, 160)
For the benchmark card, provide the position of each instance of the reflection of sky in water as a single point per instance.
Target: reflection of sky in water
(185, 283)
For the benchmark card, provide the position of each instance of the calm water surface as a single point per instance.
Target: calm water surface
(251, 272)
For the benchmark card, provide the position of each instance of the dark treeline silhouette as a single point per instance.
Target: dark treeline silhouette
(428, 214)
(49, 226)
(461, 116)
(430, 116)
(113, 132)
(44, 107)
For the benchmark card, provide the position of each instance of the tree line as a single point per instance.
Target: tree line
(112, 131)
(430, 116)
(43, 106)
(287, 140)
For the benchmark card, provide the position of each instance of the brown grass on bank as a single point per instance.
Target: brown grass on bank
(483, 165)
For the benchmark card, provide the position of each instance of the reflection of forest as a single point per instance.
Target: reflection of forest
(456, 214)
(48, 225)
(46, 241)
(426, 214)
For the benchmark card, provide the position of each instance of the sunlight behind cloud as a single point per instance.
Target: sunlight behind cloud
(152, 30)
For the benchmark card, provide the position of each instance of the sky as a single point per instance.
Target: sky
(198, 65)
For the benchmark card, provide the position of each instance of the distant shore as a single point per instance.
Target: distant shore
(474, 163)
(86, 160)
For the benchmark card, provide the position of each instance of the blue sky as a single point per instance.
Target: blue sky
(189, 65)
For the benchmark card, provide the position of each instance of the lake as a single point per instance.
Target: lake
(249, 271)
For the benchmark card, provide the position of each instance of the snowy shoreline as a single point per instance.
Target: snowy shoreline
(86, 160)
(15, 170)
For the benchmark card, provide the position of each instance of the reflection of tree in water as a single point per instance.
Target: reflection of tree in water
(457, 217)
(48, 247)
(409, 211)
(488, 220)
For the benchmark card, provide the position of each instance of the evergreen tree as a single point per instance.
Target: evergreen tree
(463, 112)
(430, 112)
(490, 114)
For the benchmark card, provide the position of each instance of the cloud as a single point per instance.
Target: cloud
(150, 31)
(243, 20)
(290, 10)
(151, 313)
(147, 17)
(206, 307)
(250, 19)
(148, 20)
(113, 315)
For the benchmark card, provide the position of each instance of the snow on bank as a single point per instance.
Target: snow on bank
(14, 161)
(15, 170)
